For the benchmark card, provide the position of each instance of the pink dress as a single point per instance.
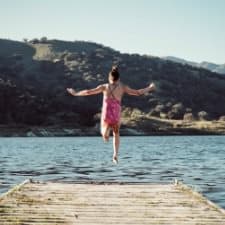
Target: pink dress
(111, 111)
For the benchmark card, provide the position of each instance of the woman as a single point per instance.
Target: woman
(111, 108)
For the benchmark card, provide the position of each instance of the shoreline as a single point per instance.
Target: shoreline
(181, 128)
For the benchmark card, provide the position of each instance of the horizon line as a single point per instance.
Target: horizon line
(122, 52)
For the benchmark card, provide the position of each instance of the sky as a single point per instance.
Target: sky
(189, 29)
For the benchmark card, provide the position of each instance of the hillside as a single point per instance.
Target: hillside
(34, 75)
(217, 68)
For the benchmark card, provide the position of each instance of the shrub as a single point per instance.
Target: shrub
(222, 118)
(44, 40)
(203, 116)
(34, 41)
(177, 112)
(188, 116)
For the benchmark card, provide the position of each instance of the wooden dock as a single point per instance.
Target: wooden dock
(34, 203)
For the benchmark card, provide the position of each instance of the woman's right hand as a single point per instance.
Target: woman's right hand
(152, 87)
(71, 91)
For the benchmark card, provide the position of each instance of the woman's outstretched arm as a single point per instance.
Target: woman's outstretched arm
(139, 92)
(93, 91)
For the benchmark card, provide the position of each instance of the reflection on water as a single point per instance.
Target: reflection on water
(196, 160)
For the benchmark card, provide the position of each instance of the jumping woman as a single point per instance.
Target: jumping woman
(111, 108)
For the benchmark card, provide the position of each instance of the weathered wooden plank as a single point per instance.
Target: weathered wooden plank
(60, 203)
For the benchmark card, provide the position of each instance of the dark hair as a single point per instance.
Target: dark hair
(114, 73)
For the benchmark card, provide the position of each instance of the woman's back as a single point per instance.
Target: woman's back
(114, 90)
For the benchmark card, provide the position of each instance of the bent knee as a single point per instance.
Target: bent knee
(116, 130)
(105, 136)
(105, 132)
(116, 134)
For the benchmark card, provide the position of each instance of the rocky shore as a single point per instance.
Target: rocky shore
(142, 127)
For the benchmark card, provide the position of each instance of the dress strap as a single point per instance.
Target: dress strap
(111, 91)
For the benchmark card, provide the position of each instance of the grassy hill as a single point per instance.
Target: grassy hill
(34, 75)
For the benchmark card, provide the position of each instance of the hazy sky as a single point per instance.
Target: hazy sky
(190, 29)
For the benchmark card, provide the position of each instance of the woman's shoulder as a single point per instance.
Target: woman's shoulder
(104, 86)
(122, 85)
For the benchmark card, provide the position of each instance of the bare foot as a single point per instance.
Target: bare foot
(115, 159)
(106, 139)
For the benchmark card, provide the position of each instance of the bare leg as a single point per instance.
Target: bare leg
(105, 131)
(116, 143)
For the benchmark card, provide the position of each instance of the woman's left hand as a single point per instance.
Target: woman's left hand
(71, 91)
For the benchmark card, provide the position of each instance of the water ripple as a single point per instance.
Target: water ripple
(197, 161)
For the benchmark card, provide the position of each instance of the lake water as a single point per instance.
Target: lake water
(198, 161)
